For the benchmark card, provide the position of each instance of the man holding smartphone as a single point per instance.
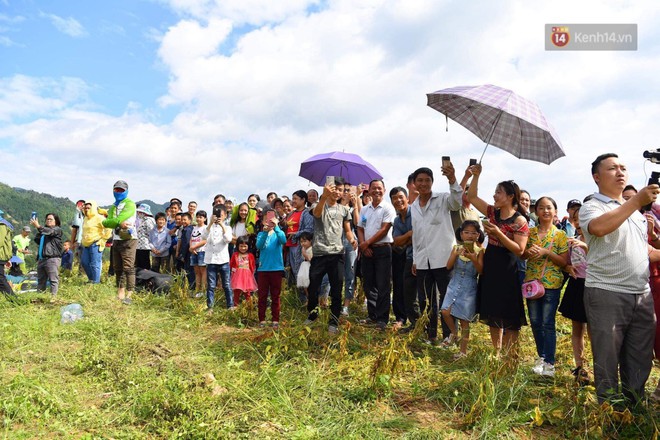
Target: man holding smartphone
(433, 239)
(330, 220)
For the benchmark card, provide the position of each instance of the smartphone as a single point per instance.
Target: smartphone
(473, 162)
(469, 245)
(33, 216)
(270, 216)
(329, 180)
(484, 221)
(446, 161)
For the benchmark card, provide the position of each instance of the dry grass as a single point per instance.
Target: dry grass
(163, 368)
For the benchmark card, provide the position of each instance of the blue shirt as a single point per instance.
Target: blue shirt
(270, 250)
(400, 227)
(67, 260)
(171, 225)
(184, 249)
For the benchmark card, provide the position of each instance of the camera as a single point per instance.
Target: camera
(652, 155)
(655, 178)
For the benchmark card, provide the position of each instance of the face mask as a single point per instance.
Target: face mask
(120, 196)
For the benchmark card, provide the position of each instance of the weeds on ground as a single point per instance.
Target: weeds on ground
(164, 368)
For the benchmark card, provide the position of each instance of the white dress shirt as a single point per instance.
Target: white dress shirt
(433, 234)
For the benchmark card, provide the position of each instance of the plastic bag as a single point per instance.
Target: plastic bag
(71, 313)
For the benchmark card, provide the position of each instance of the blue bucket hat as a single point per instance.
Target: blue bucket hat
(145, 209)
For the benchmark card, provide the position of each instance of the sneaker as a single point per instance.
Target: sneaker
(232, 308)
(127, 301)
(459, 355)
(382, 326)
(432, 341)
(538, 366)
(449, 341)
(199, 294)
(276, 325)
(333, 329)
(344, 311)
(548, 370)
(262, 324)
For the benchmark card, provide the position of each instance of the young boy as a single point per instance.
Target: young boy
(175, 232)
(183, 247)
(160, 241)
(67, 256)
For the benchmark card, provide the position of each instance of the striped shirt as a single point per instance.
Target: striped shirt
(618, 261)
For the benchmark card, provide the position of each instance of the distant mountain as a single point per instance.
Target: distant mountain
(18, 204)
(155, 207)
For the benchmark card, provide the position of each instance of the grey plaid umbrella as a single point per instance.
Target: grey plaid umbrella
(500, 117)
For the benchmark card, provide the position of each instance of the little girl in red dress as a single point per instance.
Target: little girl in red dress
(242, 265)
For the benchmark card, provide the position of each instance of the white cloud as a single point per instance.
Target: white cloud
(9, 19)
(6, 41)
(10, 22)
(254, 12)
(22, 96)
(69, 26)
(252, 104)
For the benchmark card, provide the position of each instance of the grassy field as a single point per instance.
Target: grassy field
(163, 368)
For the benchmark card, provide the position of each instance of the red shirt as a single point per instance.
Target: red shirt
(293, 225)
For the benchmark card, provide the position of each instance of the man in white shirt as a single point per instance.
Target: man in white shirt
(375, 237)
(433, 239)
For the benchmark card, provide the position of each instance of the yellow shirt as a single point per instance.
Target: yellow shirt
(552, 277)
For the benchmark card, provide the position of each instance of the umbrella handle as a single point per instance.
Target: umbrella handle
(482, 154)
(492, 131)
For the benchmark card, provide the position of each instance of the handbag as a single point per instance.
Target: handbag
(534, 289)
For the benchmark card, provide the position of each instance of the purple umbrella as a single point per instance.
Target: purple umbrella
(351, 167)
(502, 118)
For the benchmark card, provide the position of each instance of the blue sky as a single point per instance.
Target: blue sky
(190, 98)
(111, 45)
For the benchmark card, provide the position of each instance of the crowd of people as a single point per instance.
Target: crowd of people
(456, 256)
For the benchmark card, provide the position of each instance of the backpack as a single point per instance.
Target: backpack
(153, 281)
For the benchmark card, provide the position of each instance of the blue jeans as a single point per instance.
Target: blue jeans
(212, 271)
(350, 255)
(91, 262)
(542, 314)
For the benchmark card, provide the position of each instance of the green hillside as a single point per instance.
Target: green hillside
(18, 204)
